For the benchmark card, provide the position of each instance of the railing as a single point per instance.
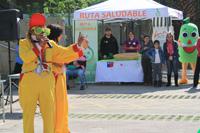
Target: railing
(4, 45)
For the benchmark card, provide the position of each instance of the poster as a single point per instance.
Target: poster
(90, 30)
(160, 29)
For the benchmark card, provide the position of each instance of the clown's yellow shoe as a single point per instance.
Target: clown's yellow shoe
(183, 81)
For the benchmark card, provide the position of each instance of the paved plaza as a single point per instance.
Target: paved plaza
(126, 108)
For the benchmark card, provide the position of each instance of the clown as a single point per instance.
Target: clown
(61, 125)
(37, 81)
(187, 47)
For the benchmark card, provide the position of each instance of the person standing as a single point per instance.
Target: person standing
(146, 61)
(37, 80)
(132, 44)
(197, 69)
(170, 49)
(157, 59)
(109, 45)
(61, 99)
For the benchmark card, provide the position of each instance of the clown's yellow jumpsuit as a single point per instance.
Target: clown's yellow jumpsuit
(35, 87)
(61, 125)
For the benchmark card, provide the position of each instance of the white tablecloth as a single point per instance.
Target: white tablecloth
(119, 71)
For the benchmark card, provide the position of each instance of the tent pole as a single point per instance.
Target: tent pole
(140, 28)
(127, 26)
(74, 31)
(102, 27)
(132, 25)
(120, 38)
(9, 57)
(168, 24)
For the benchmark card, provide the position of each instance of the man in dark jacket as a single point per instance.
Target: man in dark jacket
(108, 46)
(146, 61)
(197, 70)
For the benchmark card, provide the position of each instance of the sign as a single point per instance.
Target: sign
(113, 14)
(120, 14)
(160, 33)
(160, 30)
(119, 71)
(90, 30)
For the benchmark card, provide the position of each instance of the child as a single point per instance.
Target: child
(157, 59)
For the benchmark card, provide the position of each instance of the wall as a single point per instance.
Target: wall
(4, 67)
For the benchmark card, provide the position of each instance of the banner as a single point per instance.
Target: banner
(113, 14)
(160, 29)
(90, 30)
(119, 71)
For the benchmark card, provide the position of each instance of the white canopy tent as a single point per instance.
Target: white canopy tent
(127, 9)
(86, 20)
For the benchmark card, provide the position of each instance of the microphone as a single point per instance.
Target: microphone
(49, 44)
(45, 39)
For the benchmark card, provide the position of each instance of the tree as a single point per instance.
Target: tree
(190, 8)
(4, 4)
(65, 8)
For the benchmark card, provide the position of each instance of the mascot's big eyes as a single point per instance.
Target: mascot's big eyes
(194, 34)
(185, 34)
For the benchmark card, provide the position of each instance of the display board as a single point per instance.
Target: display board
(90, 30)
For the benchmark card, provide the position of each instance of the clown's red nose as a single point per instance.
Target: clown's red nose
(189, 42)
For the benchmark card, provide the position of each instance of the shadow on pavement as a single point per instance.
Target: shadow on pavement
(124, 89)
(193, 90)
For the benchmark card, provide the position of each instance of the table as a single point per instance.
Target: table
(11, 78)
(2, 98)
(119, 71)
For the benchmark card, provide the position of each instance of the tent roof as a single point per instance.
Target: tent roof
(131, 9)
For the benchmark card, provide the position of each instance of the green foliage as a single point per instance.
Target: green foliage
(67, 6)
(93, 2)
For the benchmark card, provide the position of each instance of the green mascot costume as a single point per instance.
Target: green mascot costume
(187, 47)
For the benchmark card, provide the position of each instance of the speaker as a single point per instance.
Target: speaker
(9, 24)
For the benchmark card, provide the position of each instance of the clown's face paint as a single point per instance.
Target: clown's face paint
(188, 37)
(40, 34)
